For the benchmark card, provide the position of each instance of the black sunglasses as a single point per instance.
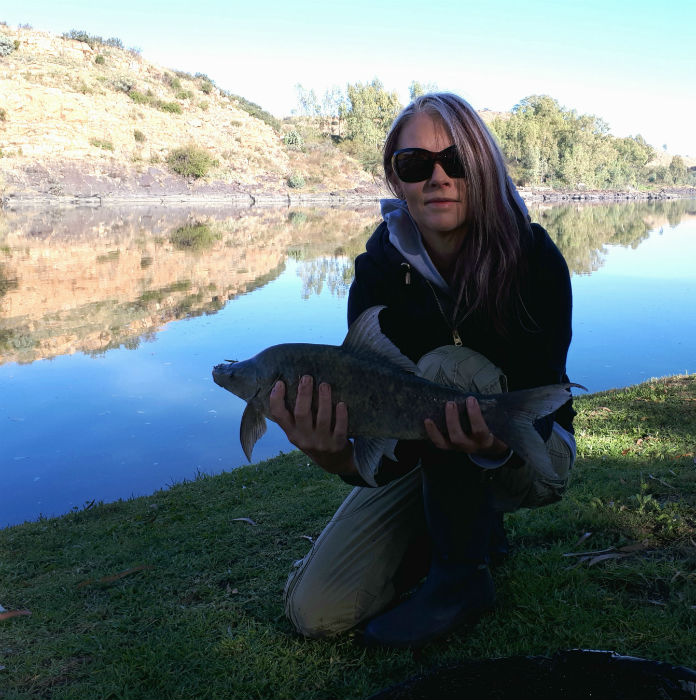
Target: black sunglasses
(417, 164)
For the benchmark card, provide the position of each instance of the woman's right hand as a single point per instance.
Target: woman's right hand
(330, 449)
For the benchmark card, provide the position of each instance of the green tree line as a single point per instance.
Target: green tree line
(546, 144)
(543, 142)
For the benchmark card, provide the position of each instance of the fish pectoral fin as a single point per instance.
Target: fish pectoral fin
(252, 428)
(365, 336)
(369, 452)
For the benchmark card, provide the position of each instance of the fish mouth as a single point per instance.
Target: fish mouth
(221, 372)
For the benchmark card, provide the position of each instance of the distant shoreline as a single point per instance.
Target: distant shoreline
(71, 186)
(273, 199)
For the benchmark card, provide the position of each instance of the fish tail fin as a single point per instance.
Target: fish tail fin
(516, 412)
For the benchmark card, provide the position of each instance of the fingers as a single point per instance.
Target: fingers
(303, 405)
(479, 434)
(324, 409)
(279, 412)
(341, 427)
(436, 437)
(312, 434)
(478, 439)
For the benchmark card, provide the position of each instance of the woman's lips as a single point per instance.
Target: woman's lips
(440, 202)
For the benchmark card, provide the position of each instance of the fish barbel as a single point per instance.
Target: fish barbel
(384, 397)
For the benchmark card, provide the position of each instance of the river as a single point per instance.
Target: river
(112, 319)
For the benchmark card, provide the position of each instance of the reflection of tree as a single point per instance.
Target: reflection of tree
(6, 282)
(335, 273)
(581, 232)
(329, 260)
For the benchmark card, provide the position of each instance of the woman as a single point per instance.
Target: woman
(479, 298)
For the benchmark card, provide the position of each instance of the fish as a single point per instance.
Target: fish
(385, 398)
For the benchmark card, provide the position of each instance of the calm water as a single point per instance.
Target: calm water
(110, 323)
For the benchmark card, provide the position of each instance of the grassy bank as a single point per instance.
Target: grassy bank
(178, 594)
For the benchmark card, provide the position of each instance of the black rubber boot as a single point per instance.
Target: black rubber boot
(459, 586)
(499, 549)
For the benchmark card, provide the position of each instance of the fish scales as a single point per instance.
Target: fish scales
(382, 399)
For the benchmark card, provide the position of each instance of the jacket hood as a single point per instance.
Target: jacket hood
(404, 236)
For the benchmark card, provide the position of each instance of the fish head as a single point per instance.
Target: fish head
(241, 378)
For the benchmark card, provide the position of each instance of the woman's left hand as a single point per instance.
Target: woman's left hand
(479, 441)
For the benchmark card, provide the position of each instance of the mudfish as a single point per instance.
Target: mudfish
(384, 397)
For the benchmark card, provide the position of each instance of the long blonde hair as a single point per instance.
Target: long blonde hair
(490, 264)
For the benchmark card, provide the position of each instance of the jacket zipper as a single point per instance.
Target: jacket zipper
(456, 339)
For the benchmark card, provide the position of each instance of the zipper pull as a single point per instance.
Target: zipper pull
(407, 273)
(457, 339)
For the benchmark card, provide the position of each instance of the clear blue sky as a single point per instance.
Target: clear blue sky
(631, 63)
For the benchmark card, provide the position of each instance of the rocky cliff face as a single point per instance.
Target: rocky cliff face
(81, 120)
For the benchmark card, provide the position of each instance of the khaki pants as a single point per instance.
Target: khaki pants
(347, 576)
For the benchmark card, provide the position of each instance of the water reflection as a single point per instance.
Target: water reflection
(89, 281)
(583, 231)
(92, 280)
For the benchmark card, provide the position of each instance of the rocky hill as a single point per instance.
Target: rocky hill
(83, 119)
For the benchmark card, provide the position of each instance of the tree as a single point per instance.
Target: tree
(325, 110)
(308, 102)
(416, 89)
(546, 143)
(678, 170)
(369, 112)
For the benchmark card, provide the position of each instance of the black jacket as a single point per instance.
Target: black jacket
(416, 317)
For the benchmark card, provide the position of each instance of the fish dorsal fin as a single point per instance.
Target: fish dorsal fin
(365, 337)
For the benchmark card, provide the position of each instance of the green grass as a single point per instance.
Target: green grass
(198, 612)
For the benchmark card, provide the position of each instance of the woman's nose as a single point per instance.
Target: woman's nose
(439, 175)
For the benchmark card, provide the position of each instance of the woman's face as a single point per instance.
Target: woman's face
(438, 204)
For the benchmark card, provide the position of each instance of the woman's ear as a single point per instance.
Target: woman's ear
(394, 187)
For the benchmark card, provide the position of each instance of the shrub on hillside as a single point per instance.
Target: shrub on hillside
(191, 161)
(140, 98)
(296, 180)
(102, 143)
(122, 84)
(255, 110)
(171, 81)
(294, 140)
(149, 99)
(99, 59)
(91, 39)
(184, 95)
(173, 107)
(7, 46)
(139, 136)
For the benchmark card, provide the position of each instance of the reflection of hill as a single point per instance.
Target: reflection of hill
(581, 231)
(87, 280)
(90, 280)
